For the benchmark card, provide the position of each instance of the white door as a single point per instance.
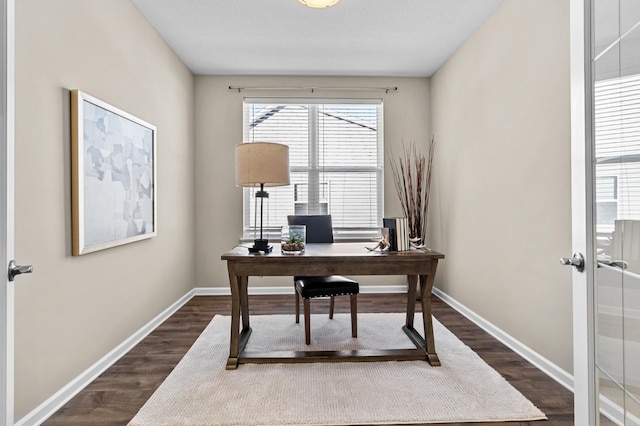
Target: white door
(582, 214)
(6, 211)
(605, 80)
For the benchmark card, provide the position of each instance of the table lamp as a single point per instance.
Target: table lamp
(262, 164)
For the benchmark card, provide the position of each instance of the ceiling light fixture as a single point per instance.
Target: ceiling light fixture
(319, 3)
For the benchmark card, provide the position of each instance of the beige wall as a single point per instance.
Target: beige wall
(501, 210)
(73, 310)
(219, 129)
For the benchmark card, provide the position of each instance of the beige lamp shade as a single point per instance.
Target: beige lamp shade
(262, 163)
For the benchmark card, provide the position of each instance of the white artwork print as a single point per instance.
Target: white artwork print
(115, 177)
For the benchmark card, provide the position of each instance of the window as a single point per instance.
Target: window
(606, 199)
(617, 148)
(335, 158)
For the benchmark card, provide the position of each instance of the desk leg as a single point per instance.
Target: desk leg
(426, 285)
(412, 282)
(234, 344)
(414, 336)
(243, 283)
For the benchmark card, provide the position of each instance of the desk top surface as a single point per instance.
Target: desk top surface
(331, 251)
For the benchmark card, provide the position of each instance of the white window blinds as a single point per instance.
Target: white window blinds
(617, 146)
(335, 159)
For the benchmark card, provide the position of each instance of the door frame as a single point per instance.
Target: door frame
(7, 115)
(586, 411)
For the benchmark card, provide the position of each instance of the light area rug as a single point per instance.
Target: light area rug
(199, 391)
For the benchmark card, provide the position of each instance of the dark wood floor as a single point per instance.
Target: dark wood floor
(116, 396)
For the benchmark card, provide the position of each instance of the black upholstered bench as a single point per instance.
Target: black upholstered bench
(320, 230)
(329, 286)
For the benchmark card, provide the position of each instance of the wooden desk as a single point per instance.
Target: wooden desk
(332, 259)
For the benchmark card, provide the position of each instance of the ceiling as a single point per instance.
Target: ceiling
(400, 38)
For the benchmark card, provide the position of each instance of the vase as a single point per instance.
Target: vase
(294, 239)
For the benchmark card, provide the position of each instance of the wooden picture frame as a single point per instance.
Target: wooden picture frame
(113, 157)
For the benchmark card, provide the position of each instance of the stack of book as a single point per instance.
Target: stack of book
(398, 233)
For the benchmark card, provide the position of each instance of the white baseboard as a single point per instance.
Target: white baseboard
(540, 362)
(226, 291)
(65, 394)
(376, 289)
(607, 408)
(616, 414)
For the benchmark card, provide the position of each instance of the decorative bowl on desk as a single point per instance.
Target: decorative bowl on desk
(294, 239)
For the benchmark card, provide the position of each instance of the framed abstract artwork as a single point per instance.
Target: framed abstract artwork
(113, 157)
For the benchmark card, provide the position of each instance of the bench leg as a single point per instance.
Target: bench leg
(307, 322)
(332, 304)
(354, 315)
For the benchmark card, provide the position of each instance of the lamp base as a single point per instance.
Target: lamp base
(260, 246)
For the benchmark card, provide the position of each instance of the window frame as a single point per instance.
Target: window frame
(314, 169)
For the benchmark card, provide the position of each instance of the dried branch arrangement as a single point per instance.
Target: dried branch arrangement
(412, 177)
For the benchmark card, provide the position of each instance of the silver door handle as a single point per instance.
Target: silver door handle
(18, 269)
(577, 261)
(614, 263)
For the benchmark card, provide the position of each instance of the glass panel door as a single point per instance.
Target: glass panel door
(7, 293)
(616, 92)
